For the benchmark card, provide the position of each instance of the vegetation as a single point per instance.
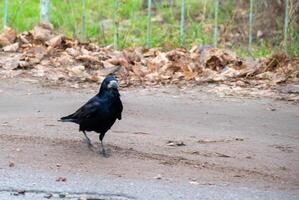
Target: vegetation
(66, 16)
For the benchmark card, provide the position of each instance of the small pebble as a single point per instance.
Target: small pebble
(11, 164)
(48, 195)
(61, 195)
(159, 176)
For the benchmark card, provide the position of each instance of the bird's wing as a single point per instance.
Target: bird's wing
(85, 112)
(120, 108)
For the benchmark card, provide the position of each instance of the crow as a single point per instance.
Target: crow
(100, 112)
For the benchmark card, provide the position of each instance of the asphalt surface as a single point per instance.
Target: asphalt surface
(171, 144)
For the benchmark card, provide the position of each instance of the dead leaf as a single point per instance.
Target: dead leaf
(88, 58)
(77, 70)
(137, 71)
(43, 31)
(11, 63)
(73, 51)
(55, 41)
(4, 41)
(65, 60)
(11, 48)
(8, 36)
(107, 64)
(106, 71)
(57, 58)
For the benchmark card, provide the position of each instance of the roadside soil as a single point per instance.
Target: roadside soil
(166, 135)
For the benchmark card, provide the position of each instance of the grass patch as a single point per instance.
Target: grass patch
(66, 16)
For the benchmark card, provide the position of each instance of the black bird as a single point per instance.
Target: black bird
(100, 112)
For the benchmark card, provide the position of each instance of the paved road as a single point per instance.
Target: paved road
(170, 145)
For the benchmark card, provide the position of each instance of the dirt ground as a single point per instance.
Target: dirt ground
(171, 144)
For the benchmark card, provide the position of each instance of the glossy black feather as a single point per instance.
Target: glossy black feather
(100, 112)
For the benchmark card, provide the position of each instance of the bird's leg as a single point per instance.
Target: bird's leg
(103, 149)
(101, 136)
(105, 154)
(87, 140)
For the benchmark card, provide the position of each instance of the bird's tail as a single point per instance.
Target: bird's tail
(67, 119)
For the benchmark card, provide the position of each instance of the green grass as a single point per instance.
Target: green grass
(66, 16)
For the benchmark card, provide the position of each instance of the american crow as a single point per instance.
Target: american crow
(100, 112)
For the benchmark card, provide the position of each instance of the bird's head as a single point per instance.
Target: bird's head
(110, 83)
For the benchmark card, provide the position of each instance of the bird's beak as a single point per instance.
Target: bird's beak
(113, 84)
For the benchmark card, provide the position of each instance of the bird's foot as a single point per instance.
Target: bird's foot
(88, 142)
(105, 152)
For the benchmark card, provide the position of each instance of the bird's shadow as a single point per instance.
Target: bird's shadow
(97, 149)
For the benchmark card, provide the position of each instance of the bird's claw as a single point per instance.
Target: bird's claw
(88, 142)
(105, 152)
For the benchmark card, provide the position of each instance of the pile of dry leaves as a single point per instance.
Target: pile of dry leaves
(58, 59)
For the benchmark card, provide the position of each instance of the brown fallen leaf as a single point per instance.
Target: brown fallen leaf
(11, 63)
(43, 31)
(55, 41)
(73, 51)
(107, 64)
(54, 57)
(23, 38)
(77, 70)
(4, 41)
(88, 58)
(137, 71)
(106, 71)
(8, 36)
(11, 48)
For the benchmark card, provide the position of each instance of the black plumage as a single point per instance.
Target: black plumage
(100, 112)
